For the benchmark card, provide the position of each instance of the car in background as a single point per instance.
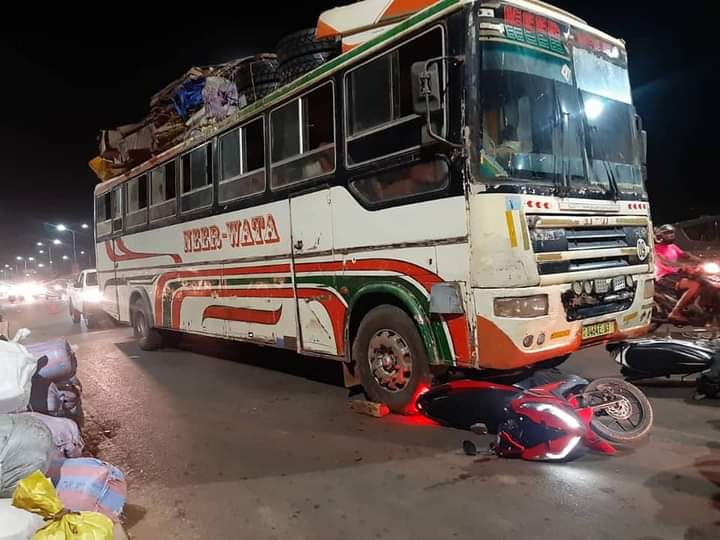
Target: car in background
(85, 299)
(56, 289)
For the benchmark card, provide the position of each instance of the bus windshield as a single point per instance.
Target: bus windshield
(547, 119)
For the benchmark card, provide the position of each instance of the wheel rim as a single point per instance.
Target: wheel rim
(390, 360)
(626, 416)
(140, 326)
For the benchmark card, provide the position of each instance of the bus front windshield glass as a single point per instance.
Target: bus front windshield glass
(550, 120)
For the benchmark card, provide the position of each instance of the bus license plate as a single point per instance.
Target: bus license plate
(597, 330)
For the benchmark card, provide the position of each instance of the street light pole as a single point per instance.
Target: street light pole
(63, 228)
(74, 248)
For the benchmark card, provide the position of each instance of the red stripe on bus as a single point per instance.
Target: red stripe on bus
(335, 308)
(126, 254)
(248, 315)
(222, 293)
(177, 259)
(240, 271)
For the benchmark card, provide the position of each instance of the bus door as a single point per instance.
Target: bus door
(314, 275)
(111, 298)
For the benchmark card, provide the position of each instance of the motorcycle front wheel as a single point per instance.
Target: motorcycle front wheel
(621, 412)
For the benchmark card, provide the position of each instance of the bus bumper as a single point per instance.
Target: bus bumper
(509, 343)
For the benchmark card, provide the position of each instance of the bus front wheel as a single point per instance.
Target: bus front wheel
(391, 358)
(149, 339)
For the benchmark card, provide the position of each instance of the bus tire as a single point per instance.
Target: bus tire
(149, 339)
(391, 358)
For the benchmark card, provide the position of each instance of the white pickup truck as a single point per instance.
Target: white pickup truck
(85, 299)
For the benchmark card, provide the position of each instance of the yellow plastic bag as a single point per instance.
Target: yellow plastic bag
(36, 494)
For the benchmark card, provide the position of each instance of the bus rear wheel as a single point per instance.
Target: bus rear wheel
(391, 358)
(149, 339)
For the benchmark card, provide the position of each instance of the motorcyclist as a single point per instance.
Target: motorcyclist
(669, 259)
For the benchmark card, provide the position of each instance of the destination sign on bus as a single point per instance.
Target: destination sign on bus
(533, 29)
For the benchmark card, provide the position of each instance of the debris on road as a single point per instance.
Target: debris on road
(369, 408)
(37, 494)
(65, 434)
(40, 420)
(90, 485)
(17, 367)
(56, 359)
(26, 445)
(17, 524)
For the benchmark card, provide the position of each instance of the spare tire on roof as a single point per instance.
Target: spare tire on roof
(297, 68)
(257, 72)
(303, 43)
(259, 91)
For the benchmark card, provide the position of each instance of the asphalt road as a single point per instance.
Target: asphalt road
(223, 441)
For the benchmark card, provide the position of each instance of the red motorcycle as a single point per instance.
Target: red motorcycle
(704, 310)
(551, 421)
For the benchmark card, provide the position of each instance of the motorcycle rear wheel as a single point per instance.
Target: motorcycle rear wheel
(623, 423)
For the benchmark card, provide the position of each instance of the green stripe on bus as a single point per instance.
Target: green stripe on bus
(354, 285)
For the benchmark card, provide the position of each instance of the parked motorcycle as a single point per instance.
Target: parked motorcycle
(704, 310)
(543, 420)
(653, 358)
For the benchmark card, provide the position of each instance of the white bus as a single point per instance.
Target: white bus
(461, 188)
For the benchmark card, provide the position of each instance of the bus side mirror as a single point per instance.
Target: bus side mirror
(427, 94)
(426, 88)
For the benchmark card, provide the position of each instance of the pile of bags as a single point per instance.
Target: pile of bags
(41, 446)
(198, 99)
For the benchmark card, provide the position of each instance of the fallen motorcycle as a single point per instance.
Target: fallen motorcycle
(551, 421)
(642, 359)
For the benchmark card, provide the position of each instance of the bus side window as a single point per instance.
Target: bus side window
(379, 97)
(242, 162)
(103, 215)
(162, 191)
(402, 182)
(197, 179)
(137, 194)
(116, 203)
(303, 138)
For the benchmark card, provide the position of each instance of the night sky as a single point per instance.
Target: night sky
(64, 81)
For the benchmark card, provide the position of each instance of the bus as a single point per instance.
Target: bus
(462, 188)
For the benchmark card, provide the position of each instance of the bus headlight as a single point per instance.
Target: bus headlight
(522, 307)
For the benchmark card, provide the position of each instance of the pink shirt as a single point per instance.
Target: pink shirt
(669, 252)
